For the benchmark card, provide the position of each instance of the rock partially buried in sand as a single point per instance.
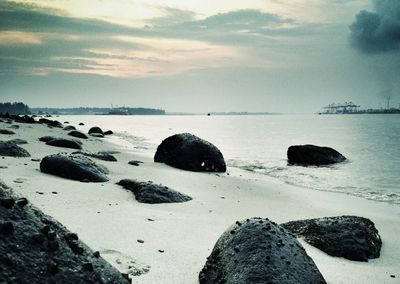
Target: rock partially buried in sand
(351, 237)
(35, 248)
(259, 251)
(65, 143)
(75, 167)
(108, 132)
(78, 134)
(189, 152)
(6, 132)
(135, 163)
(69, 127)
(311, 155)
(51, 123)
(100, 156)
(18, 141)
(97, 135)
(11, 149)
(46, 138)
(148, 192)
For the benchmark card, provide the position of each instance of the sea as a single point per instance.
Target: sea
(258, 143)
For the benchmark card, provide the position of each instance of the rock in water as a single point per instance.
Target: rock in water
(311, 155)
(96, 129)
(78, 134)
(351, 237)
(65, 143)
(12, 150)
(75, 167)
(34, 248)
(148, 192)
(259, 251)
(189, 152)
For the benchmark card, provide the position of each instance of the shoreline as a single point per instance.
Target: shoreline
(186, 232)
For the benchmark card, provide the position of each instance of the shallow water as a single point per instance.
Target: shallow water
(259, 144)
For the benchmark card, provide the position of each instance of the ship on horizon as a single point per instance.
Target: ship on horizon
(352, 108)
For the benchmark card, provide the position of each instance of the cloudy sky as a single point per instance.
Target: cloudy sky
(200, 56)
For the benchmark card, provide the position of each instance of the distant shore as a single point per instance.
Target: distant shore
(169, 243)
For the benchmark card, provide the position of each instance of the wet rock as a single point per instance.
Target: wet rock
(6, 132)
(96, 129)
(18, 141)
(189, 152)
(100, 156)
(7, 202)
(21, 202)
(78, 134)
(51, 123)
(97, 135)
(351, 237)
(311, 155)
(34, 249)
(259, 251)
(75, 167)
(65, 143)
(148, 192)
(135, 163)
(12, 150)
(69, 128)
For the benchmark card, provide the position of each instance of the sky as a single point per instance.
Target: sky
(290, 56)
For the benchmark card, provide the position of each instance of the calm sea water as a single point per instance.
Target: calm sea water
(259, 144)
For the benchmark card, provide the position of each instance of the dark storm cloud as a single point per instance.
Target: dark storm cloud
(378, 31)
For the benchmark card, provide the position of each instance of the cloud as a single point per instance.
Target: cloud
(379, 31)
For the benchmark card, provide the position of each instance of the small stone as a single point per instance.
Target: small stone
(22, 202)
(140, 241)
(161, 251)
(96, 254)
(393, 276)
(54, 192)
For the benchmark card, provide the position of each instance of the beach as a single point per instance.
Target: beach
(169, 243)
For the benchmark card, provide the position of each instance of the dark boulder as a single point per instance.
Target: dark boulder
(18, 141)
(51, 123)
(46, 138)
(69, 128)
(351, 237)
(98, 155)
(24, 119)
(74, 167)
(78, 134)
(81, 124)
(6, 132)
(34, 248)
(135, 163)
(148, 192)
(259, 251)
(108, 132)
(65, 143)
(311, 155)
(189, 152)
(96, 130)
(12, 150)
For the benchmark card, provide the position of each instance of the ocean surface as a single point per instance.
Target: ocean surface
(258, 144)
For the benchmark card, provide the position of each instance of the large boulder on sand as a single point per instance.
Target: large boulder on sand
(46, 138)
(75, 167)
(259, 251)
(36, 249)
(11, 149)
(69, 128)
(78, 134)
(311, 155)
(65, 143)
(98, 155)
(351, 237)
(148, 192)
(18, 141)
(189, 152)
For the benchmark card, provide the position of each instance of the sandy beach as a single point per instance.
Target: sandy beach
(169, 243)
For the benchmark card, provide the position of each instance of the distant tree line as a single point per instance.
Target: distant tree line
(97, 110)
(14, 108)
